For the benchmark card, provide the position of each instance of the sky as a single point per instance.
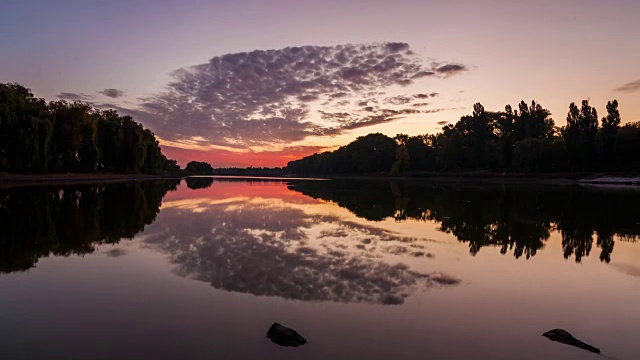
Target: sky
(260, 83)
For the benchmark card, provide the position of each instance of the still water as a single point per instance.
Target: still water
(199, 269)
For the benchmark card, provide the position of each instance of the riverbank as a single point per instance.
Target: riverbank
(501, 178)
(611, 180)
(15, 180)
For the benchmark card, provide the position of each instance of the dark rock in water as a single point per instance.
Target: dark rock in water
(563, 336)
(285, 336)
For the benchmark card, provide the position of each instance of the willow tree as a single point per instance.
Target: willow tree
(25, 130)
(75, 136)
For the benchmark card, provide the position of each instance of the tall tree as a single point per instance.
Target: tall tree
(580, 135)
(505, 132)
(609, 133)
(75, 136)
(533, 121)
(25, 130)
(402, 154)
(72, 137)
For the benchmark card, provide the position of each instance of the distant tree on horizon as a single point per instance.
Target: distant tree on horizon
(199, 167)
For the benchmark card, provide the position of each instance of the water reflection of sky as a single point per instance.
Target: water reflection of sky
(291, 249)
(262, 252)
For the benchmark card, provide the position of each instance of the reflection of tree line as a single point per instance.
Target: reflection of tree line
(38, 222)
(515, 218)
(251, 247)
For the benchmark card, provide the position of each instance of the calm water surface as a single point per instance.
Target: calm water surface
(200, 269)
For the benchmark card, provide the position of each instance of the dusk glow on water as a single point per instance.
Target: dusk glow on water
(361, 269)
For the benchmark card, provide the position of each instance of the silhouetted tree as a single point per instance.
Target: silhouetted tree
(26, 132)
(422, 155)
(628, 147)
(199, 167)
(609, 134)
(533, 122)
(373, 153)
(505, 132)
(525, 140)
(402, 154)
(72, 137)
(580, 135)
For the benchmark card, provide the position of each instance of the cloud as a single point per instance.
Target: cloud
(398, 100)
(426, 96)
(75, 96)
(451, 69)
(352, 121)
(626, 268)
(384, 116)
(630, 87)
(115, 252)
(442, 122)
(112, 93)
(267, 96)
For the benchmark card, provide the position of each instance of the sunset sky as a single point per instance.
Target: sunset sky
(260, 83)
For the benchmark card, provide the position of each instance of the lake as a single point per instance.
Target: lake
(201, 268)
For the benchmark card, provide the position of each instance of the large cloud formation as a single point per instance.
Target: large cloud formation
(267, 97)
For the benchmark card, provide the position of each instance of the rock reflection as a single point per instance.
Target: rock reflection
(514, 218)
(268, 248)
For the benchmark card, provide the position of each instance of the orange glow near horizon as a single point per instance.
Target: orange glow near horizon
(226, 158)
(220, 190)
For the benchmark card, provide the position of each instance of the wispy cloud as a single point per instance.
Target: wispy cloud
(451, 69)
(629, 87)
(75, 96)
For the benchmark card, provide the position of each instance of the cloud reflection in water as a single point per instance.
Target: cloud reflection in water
(271, 248)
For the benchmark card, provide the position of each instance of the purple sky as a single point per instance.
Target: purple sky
(288, 102)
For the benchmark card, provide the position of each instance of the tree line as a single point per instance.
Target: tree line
(525, 140)
(40, 137)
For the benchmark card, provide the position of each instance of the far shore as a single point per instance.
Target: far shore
(14, 180)
(512, 178)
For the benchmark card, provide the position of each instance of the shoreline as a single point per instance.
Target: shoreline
(19, 180)
(16, 180)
